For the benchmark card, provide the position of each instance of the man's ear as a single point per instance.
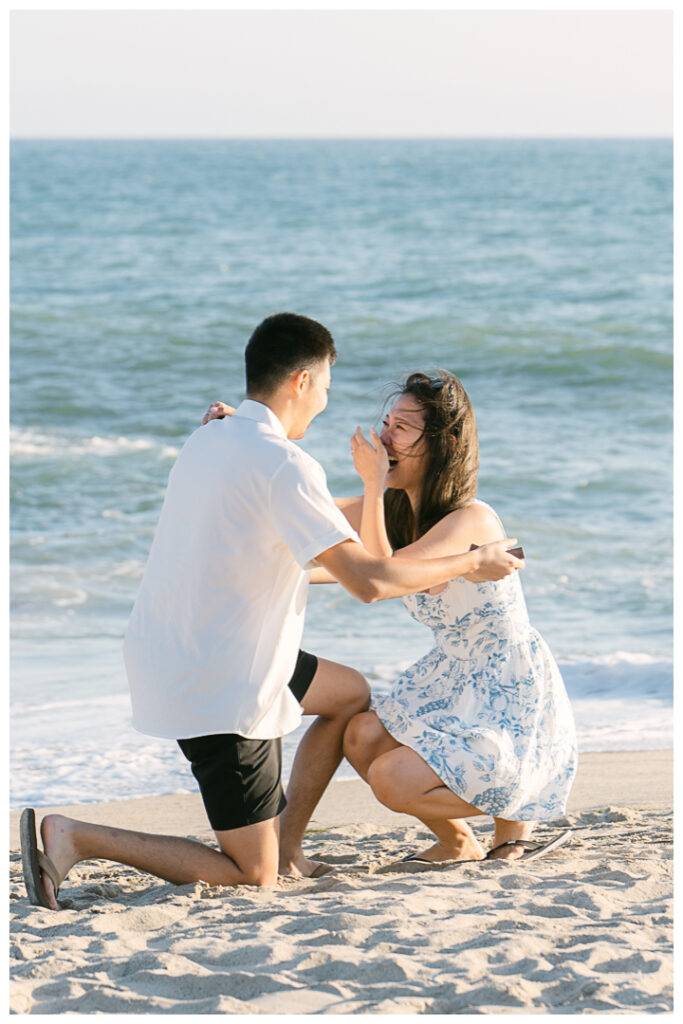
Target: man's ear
(299, 381)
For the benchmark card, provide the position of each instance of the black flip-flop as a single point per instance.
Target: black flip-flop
(320, 870)
(532, 851)
(413, 864)
(35, 863)
(412, 858)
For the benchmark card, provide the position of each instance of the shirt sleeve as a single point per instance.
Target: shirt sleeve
(303, 510)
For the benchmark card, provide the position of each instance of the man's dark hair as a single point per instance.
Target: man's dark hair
(284, 344)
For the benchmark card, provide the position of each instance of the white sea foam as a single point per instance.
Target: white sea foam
(69, 751)
(70, 598)
(35, 443)
(622, 676)
(131, 568)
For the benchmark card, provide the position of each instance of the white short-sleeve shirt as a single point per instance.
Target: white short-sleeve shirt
(215, 631)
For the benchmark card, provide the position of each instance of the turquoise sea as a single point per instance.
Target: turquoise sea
(538, 271)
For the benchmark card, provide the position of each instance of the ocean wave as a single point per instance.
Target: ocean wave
(90, 772)
(623, 675)
(85, 749)
(29, 443)
(130, 569)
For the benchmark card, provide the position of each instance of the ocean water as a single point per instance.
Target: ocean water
(540, 272)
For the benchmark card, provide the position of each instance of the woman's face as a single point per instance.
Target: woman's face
(402, 436)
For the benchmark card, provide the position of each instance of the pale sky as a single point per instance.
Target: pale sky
(324, 73)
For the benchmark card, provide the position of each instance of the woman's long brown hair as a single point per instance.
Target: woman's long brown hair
(450, 477)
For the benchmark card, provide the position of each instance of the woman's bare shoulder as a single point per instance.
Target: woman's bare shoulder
(479, 521)
(476, 514)
(456, 532)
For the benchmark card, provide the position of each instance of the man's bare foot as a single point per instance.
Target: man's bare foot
(57, 834)
(463, 848)
(298, 866)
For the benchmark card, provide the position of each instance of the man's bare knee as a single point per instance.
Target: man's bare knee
(358, 731)
(250, 853)
(255, 873)
(384, 784)
(260, 875)
(355, 696)
(364, 734)
(359, 700)
(336, 693)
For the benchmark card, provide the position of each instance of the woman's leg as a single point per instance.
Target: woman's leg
(505, 831)
(404, 782)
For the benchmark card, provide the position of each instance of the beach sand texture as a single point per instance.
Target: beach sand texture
(587, 929)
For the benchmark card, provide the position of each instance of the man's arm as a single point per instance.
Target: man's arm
(370, 578)
(320, 575)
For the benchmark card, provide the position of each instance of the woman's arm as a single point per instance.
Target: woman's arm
(372, 465)
(352, 509)
(457, 531)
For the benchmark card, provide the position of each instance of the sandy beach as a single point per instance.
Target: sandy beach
(586, 929)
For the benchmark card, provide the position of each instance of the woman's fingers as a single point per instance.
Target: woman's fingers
(217, 411)
(358, 440)
(380, 449)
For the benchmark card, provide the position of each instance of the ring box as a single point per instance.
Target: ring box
(517, 552)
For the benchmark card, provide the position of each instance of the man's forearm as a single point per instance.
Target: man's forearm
(395, 577)
(371, 578)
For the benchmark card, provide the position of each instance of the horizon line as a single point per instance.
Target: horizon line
(339, 138)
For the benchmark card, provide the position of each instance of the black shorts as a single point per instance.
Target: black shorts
(240, 779)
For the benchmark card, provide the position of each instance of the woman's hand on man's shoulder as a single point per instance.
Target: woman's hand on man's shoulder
(217, 411)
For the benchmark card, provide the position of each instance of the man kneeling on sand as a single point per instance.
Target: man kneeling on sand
(212, 648)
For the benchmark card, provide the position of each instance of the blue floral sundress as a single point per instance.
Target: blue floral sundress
(486, 708)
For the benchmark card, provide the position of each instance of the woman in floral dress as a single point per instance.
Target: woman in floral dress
(482, 723)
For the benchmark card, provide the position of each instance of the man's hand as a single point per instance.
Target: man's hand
(217, 411)
(370, 458)
(496, 561)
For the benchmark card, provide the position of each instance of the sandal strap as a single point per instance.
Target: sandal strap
(46, 866)
(526, 843)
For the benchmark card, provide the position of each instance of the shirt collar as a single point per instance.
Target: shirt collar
(251, 410)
